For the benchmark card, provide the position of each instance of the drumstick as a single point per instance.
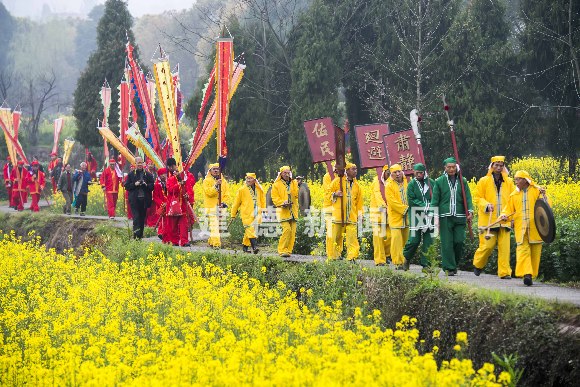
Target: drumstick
(488, 234)
(496, 222)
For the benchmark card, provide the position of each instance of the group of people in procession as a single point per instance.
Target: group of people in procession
(404, 215)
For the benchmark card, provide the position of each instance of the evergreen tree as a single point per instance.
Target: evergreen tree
(316, 74)
(551, 44)
(107, 62)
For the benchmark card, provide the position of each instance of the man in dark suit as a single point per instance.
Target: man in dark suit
(140, 185)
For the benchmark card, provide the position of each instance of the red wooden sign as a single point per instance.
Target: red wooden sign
(321, 139)
(370, 142)
(402, 148)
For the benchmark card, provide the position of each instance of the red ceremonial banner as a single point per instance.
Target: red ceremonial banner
(320, 133)
(224, 71)
(371, 149)
(402, 148)
(58, 124)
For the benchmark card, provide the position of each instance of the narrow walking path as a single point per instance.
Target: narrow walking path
(484, 281)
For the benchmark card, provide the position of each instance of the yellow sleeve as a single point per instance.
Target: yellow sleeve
(237, 203)
(376, 192)
(209, 189)
(481, 188)
(279, 194)
(225, 191)
(359, 205)
(394, 199)
(261, 200)
(509, 208)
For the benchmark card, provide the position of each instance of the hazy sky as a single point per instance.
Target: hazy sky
(33, 8)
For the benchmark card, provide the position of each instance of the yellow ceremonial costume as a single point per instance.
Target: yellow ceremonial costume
(211, 197)
(250, 203)
(396, 195)
(378, 218)
(529, 242)
(352, 207)
(283, 191)
(488, 193)
(327, 206)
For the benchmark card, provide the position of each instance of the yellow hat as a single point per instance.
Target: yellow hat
(385, 168)
(523, 175)
(250, 174)
(284, 168)
(214, 165)
(498, 159)
(350, 165)
(396, 167)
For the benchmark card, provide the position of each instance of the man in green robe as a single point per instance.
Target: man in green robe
(453, 217)
(419, 193)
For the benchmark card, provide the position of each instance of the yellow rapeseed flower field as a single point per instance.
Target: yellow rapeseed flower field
(85, 320)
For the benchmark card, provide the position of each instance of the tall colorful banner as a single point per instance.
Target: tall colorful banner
(6, 120)
(141, 143)
(203, 133)
(58, 124)
(68, 146)
(224, 70)
(116, 143)
(124, 106)
(164, 82)
(140, 87)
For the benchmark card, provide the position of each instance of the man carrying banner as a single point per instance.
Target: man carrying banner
(110, 182)
(285, 199)
(419, 194)
(51, 167)
(378, 217)
(453, 217)
(250, 201)
(493, 192)
(7, 171)
(396, 195)
(521, 204)
(37, 182)
(327, 207)
(216, 195)
(20, 181)
(347, 211)
(140, 186)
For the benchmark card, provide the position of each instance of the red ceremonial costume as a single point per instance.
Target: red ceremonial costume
(176, 228)
(36, 184)
(51, 165)
(110, 182)
(8, 182)
(127, 206)
(92, 166)
(20, 178)
(159, 203)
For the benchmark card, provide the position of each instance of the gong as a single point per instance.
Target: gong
(545, 222)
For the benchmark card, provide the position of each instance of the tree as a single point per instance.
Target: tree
(550, 41)
(41, 91)
(107, 62)
(7, 26)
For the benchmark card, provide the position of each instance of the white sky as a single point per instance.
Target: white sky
(33, 8)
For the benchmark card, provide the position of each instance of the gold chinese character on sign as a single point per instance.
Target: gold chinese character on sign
(407, 161)
(372, 136)
(402, 142)
(320, 130)
(324, 148)
(376, 153)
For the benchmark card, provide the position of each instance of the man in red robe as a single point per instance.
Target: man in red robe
(177, 232)
(20, 178)
(36, 184)
(92, 165)
(110, 182)
(8, 181)
(51, 165)
(159, 203)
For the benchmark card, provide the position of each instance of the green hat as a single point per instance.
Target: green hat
(419, 167)
(449, 160)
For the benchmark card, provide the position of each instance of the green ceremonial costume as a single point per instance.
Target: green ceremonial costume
(420, 219)
(452, 220)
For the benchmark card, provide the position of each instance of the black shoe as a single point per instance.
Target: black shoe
(82, 214)
(246, 249)
(528, 280)
(353, 261)
(399, 267)
(159, 236)
(506, 277)
(380, 264)
(254, 243)
(174, 244)
(406, 265)
(186, 244)
(477, 271)
(451, 273)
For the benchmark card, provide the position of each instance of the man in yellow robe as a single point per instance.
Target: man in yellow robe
(396, 194)
(493, 192)
(250, 201)
(285, 199)
(378, 218)
(327, 208)
(529, 243)
(347, 209)
(216, 195)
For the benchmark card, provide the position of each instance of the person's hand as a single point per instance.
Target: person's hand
(489, 208)
(103, 187)
(138, 182)
(503, 218)
(338, 194)
(542, 190)
(218, 181)
(469, 216)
